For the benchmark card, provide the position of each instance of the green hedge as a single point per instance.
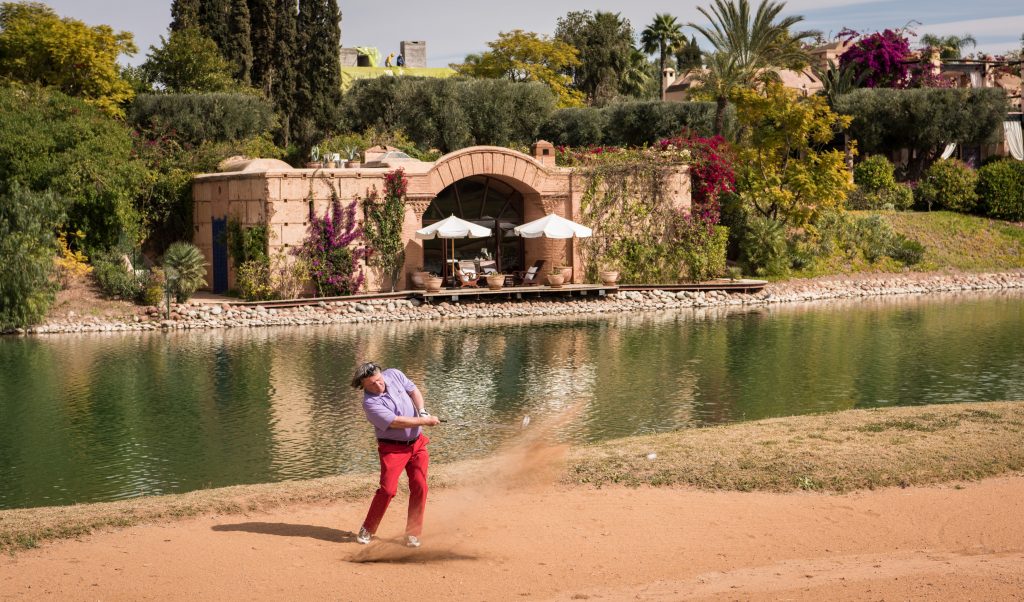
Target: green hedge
(631, 123)
(449, 114)
(198, 118)
(1001, 189)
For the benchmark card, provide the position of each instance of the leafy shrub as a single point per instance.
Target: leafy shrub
(27, 246)
(874, 173)
(153, 290)
(333, 263)
(71, 263)
(1001, 189)
(198, 118)
(252, 279)
(899, 196)
(895, 197)
(950, 184)
(185, 268)
(114, 277)
(705, 253)
(49, 141)
(764, 247)
(874, 237)
(906, 250)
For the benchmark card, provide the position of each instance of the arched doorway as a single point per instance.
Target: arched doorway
(484, 200)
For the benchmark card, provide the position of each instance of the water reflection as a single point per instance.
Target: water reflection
(104, 416)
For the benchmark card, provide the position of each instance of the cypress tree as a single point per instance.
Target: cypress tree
(239, 44)
(184, 14)
(213, 21)
(282, 68)
(318, 86)
(263, 24)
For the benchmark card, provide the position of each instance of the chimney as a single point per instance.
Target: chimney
(414, 53)
(544, 152)
(668, 77)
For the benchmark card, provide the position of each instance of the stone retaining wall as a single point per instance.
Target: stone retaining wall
(203, 316)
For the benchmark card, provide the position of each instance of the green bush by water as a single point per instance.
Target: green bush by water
(1001, 189)
(949, 184)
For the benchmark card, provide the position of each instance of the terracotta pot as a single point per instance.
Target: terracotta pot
(352, 164)
(555, 280)
(313, 164)
(566, 272)
(418, 278)
(495, 281)
(609, 277)
(433, 284)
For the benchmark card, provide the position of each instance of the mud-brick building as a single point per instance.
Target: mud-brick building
(495, 187)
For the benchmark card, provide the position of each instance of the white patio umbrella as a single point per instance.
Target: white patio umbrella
(553, 226)
(452, 227)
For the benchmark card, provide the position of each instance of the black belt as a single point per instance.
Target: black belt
(397, 441)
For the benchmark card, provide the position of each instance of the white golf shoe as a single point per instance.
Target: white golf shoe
(364, 536)
(412, 541)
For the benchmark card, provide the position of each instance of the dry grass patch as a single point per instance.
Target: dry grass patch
(858, 449)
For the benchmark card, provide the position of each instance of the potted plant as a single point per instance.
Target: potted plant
(566, 271)
(609, 276)
(433, 283)
(555, 279)
(353, 156)
(314, 158)
(418, 277)
(495, 281)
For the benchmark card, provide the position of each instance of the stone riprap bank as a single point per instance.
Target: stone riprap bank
(202, 316)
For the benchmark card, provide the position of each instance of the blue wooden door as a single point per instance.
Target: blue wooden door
(220, 255)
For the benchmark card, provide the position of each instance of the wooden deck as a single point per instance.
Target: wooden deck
(515, 292)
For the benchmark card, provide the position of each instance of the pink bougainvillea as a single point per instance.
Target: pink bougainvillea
(882, 58)
(711, 167)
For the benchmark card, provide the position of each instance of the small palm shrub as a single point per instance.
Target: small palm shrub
(185, 267)
(949, 184)
(1001, 189)
(764, 247)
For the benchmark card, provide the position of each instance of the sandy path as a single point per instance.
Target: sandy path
(551, 543)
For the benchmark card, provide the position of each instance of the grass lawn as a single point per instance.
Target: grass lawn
(952, 241)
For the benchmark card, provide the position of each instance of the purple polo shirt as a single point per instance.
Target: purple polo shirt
(382, 409)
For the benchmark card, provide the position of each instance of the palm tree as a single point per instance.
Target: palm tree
(749, 47)
(721, 76)
(663, 36)
(635, 76)
(950, 47)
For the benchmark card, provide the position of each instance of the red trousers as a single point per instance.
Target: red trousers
(414, 459)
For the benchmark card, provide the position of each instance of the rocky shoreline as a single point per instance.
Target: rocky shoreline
(196, 315)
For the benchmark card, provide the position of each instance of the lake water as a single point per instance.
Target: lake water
(98, 417)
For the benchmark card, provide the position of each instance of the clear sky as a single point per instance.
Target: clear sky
(454, 28)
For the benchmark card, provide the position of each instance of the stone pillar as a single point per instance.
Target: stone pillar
(415, 207)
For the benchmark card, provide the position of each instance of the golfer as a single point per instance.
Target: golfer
(394, 406)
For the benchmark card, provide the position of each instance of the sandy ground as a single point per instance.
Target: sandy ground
(546, 542)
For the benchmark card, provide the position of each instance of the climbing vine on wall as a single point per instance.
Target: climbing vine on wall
(382, 224)
(332, 246)
(637, 228)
